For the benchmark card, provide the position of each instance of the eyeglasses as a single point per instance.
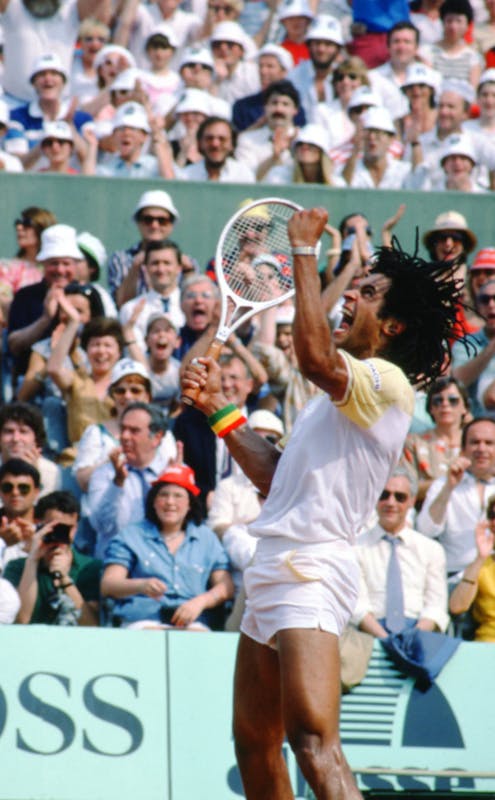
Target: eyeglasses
(198, 295)
(442, 237)
(225, 9)
(484, 299)
(438, 399)
(230, 45)
(401, 497)
(121, 390)
(149, 219)
(339, 76)
(51, 141)
(7, 487)
(24, 222)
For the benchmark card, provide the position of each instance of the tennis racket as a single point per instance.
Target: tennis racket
(253, 266)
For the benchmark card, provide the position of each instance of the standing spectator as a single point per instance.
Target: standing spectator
(310, 162)
(372, 20)
(389, 77)
(216, 143)
(419, 87)
(295, 16)
(451, 56)
(57, 146)
(93, 35)
(425, 16)
(199, 302)
(346, 79)
(236, 76)
(159, 79)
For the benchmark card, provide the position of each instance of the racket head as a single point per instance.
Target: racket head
(253, 261)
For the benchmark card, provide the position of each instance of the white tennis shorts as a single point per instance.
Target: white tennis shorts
(302, 586)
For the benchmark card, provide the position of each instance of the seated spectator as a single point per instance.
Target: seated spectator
(119, 487)
(475, 367)
(236, 76)
(475, 591)
(22, 270)
(48, 78)
(56, 584)
(458, 164)
(158, 78)
(455, 503)
(421, 600)
(376, 169)
(162, 265)
(482, 128)
(22, 435)
(33, 311)
(57, 147)
(199, 302)
(9, 602)
(155, 216)
(425, 16)
(196, 68)
(216, 143)
(169, 570)
(484, 34)
(310, 162)
(451, 56)
(388, 78)
(9, 161)
(349, 76)
(274, 63)
(90, 267)
(480, 271)
(19, 493)
(429, 454)
(163, 369)
(93, 36)
(110, 62)
(295, 17)
(85, 389)
(192, 109)
(419, 87)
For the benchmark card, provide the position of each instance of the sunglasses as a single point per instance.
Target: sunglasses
(217, 44)
(121, 390)
(149, 219)
(24, 222)
(456, 237)
(7, 487)
(51, 141)
(437, 400)
(401, 497)
(339, 76)
(484, 299)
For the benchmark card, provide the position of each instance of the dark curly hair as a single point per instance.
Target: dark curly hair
(426, 298)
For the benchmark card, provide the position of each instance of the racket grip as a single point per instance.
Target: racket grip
(189, 396)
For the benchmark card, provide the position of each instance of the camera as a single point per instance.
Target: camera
(60, 534)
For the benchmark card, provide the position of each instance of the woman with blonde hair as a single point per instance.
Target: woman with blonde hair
(346, 78)
(310, 160)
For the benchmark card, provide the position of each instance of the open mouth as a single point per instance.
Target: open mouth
(346, 322)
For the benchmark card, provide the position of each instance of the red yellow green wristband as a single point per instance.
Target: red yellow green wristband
(226, 420)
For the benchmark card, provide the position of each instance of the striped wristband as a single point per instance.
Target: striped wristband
(226, 420)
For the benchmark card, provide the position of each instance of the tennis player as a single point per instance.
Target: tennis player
(303, 582)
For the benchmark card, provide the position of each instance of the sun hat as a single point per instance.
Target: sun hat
(126, 79)
(156, 198)
(181, 475)
(156, 318)
(460, 87)
(285, 315)
(228, 32)
(281, 54)
(324, 26)
(93, 247)
(131, 115)
(165, 30)
(48, 61)
(378, 118)
(459, 145)
(113, 50)
(266, 421)
(484, 259)
(451, 221)
(295, 8)
(488, 76)
(363, 96)
(313, 134)
(127, 366)
(59, 241)
(57, 129)
(194, 100)
(197, 54)
(421, 73)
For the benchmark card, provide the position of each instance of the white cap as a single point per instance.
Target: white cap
(194, 100)
(4, 114)
(488, 76)
(126, 79)
(379, 118)
(285, 315)
(326, 27)
(125, 367)
(114, 50)
(48, 61)
(163, 29)
(421, 73)
(131, 115)
(266, 421)
(459, 145)
(281, 54)
(58, 129)
(220, 108)
(314, 134)
(229, 32)
(295, 8)
(363, 96)
(156, 198)
(93, 246)
(196, 54)
(59, 241)
(462, 88)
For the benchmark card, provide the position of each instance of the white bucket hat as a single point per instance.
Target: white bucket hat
(295, 8)
(420, 73)
(266, 421)
(114, 50)
(229, 32)
(57, 129)
(59, 241)
(488, 76)
(131, 115)
(314, 134)
(163, 29)
(48, 61)
(127, 366)
(379, 118)
(462, 88)
(459, 145)
(281, 54)
(156, 198)
(126, 79)
(197, 55)
(194, 100)
(326, 27)
(363, 96)
(93, 247)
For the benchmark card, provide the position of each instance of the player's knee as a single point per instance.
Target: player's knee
(316, 755)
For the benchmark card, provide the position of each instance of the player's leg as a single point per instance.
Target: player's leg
(258, 724)
(310, 679)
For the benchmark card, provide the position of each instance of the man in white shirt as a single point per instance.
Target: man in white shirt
(216, 143)
(388, 78)
(236, 76)
(162, 265)
(421, 563)
(454, 504)
(376, 168)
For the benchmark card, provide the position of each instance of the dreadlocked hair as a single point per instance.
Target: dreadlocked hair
(426, 297)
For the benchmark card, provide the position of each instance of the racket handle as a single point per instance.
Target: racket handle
(189, 396)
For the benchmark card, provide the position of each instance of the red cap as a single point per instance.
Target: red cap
(181, 475)
(484, 259)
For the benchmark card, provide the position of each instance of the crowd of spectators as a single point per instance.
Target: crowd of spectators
(119, 506)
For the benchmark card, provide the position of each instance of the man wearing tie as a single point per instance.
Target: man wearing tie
(403, 575)
(119, 487)
(162, 265)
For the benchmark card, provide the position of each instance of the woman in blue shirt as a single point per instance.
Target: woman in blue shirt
(169, 569)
